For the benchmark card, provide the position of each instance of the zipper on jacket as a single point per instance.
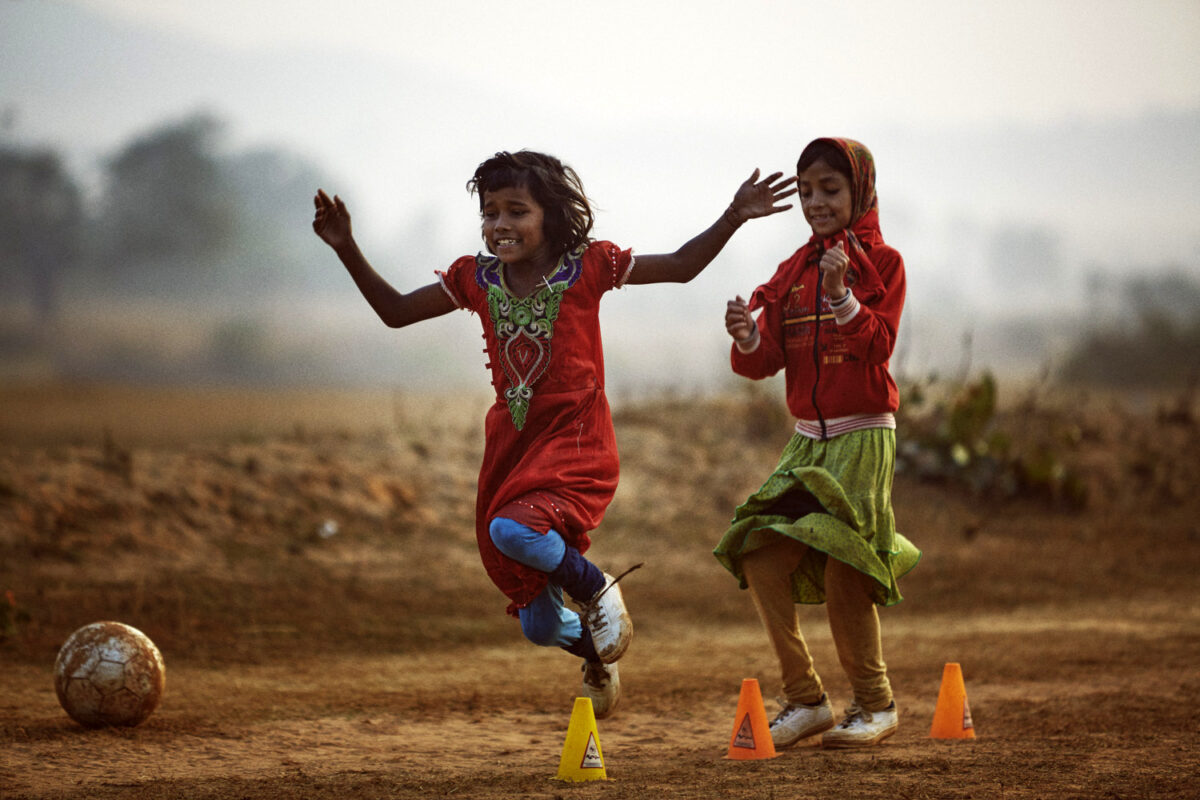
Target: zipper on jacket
(817, 347)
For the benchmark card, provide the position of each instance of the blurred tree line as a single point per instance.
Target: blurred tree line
(41, 227)
(1152, 339)
(175, 214)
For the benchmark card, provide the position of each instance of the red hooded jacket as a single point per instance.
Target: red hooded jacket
(833, 370)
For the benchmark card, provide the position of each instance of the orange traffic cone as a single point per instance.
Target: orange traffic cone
(952, 717)
(751, 737)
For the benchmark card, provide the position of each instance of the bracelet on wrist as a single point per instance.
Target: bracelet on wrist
(845, 309)
(750, 343)
(731, 217)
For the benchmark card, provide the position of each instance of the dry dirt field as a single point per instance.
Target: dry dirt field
(306, 564)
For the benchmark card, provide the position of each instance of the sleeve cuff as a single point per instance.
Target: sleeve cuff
(845, 309)
(441, 276)
(748, 345)
(620, 284)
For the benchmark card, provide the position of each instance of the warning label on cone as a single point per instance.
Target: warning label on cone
(745, 734)
(591, 755)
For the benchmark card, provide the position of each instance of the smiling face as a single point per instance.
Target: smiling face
(513, 227)
(825, 198)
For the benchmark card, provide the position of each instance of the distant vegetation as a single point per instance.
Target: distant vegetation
(1146, 336)
(1155, 341)
(166, 263)
(163, 265)
(962, 438)
(176, 213)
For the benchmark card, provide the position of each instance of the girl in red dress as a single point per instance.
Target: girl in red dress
(550, 460)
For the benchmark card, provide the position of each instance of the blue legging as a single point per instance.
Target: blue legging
(546, 621)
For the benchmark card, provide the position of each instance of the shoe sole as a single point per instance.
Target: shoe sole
(609, 711)
(825, 726)
(602, 714)
(848, 744)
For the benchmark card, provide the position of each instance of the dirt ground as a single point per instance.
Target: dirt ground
(306, 564)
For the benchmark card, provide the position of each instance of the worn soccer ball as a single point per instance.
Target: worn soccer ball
(109, 673)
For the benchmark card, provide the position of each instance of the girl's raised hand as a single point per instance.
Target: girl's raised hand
(331, 221)
(755, 198)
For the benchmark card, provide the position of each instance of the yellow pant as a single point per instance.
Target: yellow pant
(853, 621)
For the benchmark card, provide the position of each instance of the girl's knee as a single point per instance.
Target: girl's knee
(542, 551)
(546, 621)
(775, 561)
(541, 630)
(845, 584)
(754, 565)
(506, 534)
(841, 573)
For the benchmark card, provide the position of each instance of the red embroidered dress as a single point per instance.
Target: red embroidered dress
(550, 456)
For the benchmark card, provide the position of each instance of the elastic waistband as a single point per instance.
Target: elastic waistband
(840, 425)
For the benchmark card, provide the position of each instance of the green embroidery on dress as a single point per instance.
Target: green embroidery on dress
(524, 327)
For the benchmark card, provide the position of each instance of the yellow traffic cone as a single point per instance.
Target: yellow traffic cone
(582, 759)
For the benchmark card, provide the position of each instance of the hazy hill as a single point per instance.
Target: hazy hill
(1001, 228)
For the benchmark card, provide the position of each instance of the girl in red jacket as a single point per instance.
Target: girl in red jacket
(821, 528)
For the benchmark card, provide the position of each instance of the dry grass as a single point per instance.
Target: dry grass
(335, 665)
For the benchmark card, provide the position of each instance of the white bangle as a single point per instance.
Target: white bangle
(750, 343)
(845, 309)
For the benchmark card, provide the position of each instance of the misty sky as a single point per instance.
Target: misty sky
(983, 116)
(928, 63)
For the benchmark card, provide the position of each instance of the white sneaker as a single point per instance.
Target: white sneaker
(602, 684)
(798, 721)
(862, 728)
(608, 621)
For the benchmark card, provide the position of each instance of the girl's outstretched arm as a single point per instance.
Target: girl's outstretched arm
(332, 224)
(754, 198)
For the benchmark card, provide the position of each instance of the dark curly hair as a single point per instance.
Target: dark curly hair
(555, 186)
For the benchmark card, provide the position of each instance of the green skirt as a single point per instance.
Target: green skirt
(850, 476)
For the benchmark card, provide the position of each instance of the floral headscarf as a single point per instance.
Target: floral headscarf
(862, 177)
(857, 240)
